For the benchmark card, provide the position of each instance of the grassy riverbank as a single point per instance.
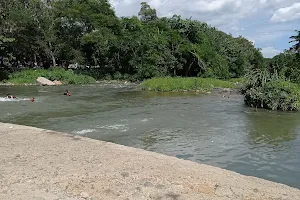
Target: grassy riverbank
(185, 84)
(29, 76)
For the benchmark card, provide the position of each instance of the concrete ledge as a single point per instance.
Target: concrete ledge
(42, 164)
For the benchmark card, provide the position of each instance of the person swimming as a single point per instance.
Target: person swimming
(67, 93)
(32, 99)
(11, 96)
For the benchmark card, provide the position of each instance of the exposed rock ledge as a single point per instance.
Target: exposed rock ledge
(41, 164)
(43, 81)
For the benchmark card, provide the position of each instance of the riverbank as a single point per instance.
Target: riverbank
(29, 76)
(42, 164)
(168, 84)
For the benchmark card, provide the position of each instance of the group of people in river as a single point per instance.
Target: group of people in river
(32, 99)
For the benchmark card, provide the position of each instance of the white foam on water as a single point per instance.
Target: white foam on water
(84, 131)
(146, 119)
(121, 127)
(5, 99)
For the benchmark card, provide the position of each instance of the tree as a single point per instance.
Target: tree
(296, 39)
(87, 26)
(147, 13)
(89, 33)
(6, 56)
(47, 38)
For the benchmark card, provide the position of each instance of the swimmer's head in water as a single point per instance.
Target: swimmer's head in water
(67, 93)
(32, 99)
(11, 96)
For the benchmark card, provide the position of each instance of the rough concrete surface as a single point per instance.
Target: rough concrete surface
(38, 164)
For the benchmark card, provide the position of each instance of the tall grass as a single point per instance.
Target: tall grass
(236, 80)
(263, 89)
(29, 76)
(181, 84)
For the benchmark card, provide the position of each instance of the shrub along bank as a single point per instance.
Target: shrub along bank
(270, 91)
(29, 76)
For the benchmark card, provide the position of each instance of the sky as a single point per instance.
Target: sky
(267, 23)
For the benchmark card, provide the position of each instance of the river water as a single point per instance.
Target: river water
(207, 129)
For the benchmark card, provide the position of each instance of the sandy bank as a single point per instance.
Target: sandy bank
(42, 164)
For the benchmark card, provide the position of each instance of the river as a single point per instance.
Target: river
(206, 129)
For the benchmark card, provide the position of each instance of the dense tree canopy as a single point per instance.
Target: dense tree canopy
(57, 32)
(287, 64)
(275, 85)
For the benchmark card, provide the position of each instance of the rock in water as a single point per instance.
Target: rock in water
(227, 90)
(44, 81)
(57, 82)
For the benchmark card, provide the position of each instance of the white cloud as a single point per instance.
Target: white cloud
(270, 52)
(239, 17)
(114, 3)
(216, 5)
(268, 36)
(236, 28)
(287, 13)
(156, 3)
(216, 12)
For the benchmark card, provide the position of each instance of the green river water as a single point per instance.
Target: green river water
(207, 129)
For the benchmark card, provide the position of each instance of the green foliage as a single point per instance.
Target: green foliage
(287, 64)
(147, 13)
(137, 48)
(237, 80)
(274, 83)
(296, 40)
(265, 90)
(88, 32)
(5, 55)
(181, 84)
(66, 76)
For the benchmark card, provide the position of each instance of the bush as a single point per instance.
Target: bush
(118, 76)
(181, 84)
(29, 76)
(265, 90)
